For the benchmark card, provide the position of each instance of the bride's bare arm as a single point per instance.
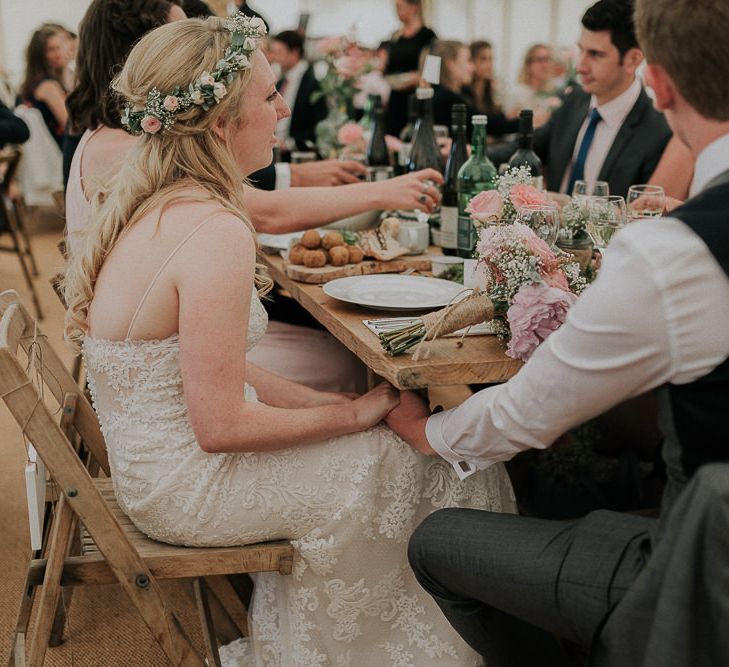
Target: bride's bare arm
(213, 274)
(294, 209)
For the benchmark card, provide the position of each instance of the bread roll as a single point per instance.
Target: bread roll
(338, 255)
(311, 239)
(296, 254)
(314, 258)
(332, 240)
(356, 254)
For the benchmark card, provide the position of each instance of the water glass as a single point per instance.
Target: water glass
(583, 189)
(542, 219)
(606, 216)
(645, 201)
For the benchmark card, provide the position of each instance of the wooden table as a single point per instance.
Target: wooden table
(481, 359)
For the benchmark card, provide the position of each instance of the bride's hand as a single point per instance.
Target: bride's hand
(371, 408)
(333, 398)
(408, 421)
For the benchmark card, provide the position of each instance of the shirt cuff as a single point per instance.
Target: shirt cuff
(283, 175)
(433, 432)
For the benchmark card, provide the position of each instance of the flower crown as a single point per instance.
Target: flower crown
(160, 110)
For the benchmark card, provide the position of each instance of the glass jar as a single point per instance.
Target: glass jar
(581, 249)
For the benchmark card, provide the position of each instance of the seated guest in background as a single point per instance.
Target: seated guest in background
(243, 7)
(480, 94)
(638, 590)
(606, 130)
(404, 54)
(46, 56)
(12, 129)
(197, 9)
(534, 88)
(455, 72)
(297, 84)
(68, 76)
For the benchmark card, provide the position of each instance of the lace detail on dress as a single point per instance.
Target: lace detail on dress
(348, 505)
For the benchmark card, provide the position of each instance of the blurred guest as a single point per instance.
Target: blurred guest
(245, 8)
(12, 129)
(46, 56)
(68, 77)
(403, 59)
(455, 73)
(480, 93)
(296, 86)
(607, 129)
(535, 89)
(197, 9)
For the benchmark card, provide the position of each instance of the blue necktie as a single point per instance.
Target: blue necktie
(578, 169)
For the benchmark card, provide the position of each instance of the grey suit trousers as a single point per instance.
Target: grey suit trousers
(508, 584)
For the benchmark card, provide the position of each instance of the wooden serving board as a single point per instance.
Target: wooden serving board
(326, 273)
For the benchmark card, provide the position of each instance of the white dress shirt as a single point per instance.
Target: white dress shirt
(658, 313)
(293, 81)
(613, 114)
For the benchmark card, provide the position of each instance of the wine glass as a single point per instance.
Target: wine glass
(542, 219)
(606, 216)
(582, 189)
(645, 201)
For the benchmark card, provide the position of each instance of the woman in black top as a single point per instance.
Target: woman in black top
(403, 61)
(480, 93)
(46, 56)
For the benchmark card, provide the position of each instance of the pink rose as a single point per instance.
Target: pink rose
(171, 103)
(535, 313)
(151, 125)
(329, 45)
(537, 247)
(525, 195)
(219, 90)
(206, 79)
(557, 278)
(486, 206)
(350, 133)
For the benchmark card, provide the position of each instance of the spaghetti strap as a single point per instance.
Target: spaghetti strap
(158, 274)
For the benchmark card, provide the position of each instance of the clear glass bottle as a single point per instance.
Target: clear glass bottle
(476, 175)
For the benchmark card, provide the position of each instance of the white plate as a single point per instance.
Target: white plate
(393, 292)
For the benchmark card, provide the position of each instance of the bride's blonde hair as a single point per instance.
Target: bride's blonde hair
(162, 165)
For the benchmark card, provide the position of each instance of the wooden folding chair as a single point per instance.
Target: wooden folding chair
(113, 550)
(12, 223)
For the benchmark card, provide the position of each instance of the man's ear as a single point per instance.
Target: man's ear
(662, 85)
(632, 59)
(219, 128)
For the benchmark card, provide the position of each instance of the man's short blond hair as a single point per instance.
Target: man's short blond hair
(688, 39)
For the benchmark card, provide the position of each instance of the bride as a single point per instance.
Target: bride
(206, 449)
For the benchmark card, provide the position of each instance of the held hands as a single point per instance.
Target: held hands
(326, 173)
(412, 191)
(408, 421)
(371, 408)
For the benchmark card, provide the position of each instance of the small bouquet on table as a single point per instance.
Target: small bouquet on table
(523, 287)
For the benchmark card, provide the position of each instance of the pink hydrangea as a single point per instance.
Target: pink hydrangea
(486, 206)
(526, 195)
(350, 133)
(151, 125)
(535, 313)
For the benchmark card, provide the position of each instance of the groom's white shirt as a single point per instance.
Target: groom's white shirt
(657, 314)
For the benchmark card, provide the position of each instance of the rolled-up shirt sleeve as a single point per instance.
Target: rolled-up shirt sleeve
(636, 328)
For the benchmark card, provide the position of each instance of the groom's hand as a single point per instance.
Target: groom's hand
(408, 420)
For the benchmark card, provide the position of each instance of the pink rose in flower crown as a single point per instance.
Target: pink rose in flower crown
(486, 206)
(535, 313)
(526, 195)
(219, 90)
(151, 125)
(350, 133)
(171, 103)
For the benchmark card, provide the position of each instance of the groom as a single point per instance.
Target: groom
(638, 590)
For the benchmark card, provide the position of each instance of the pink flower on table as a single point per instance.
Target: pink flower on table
(486, 206)
(350, 66)
(151, 125)
(535, 313)
(350, 133)
(329, 45)
(171, 103)
(525, 195)
(557, 278)
(537, 247)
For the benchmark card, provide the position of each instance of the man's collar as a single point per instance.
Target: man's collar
(617, 109)
(712, 161)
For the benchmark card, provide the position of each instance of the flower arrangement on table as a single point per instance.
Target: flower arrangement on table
(346, 63)
(523, 286)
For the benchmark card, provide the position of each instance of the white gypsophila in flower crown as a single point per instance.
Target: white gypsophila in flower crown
(160, 110)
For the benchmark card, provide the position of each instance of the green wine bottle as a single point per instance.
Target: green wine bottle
(476, 175)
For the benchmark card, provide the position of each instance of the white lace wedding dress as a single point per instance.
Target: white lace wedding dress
(348, 505)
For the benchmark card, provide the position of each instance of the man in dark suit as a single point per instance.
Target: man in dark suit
(606, 130)
(296, 86)
(12, 129)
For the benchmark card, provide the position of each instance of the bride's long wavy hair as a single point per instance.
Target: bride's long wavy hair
(162, 165)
